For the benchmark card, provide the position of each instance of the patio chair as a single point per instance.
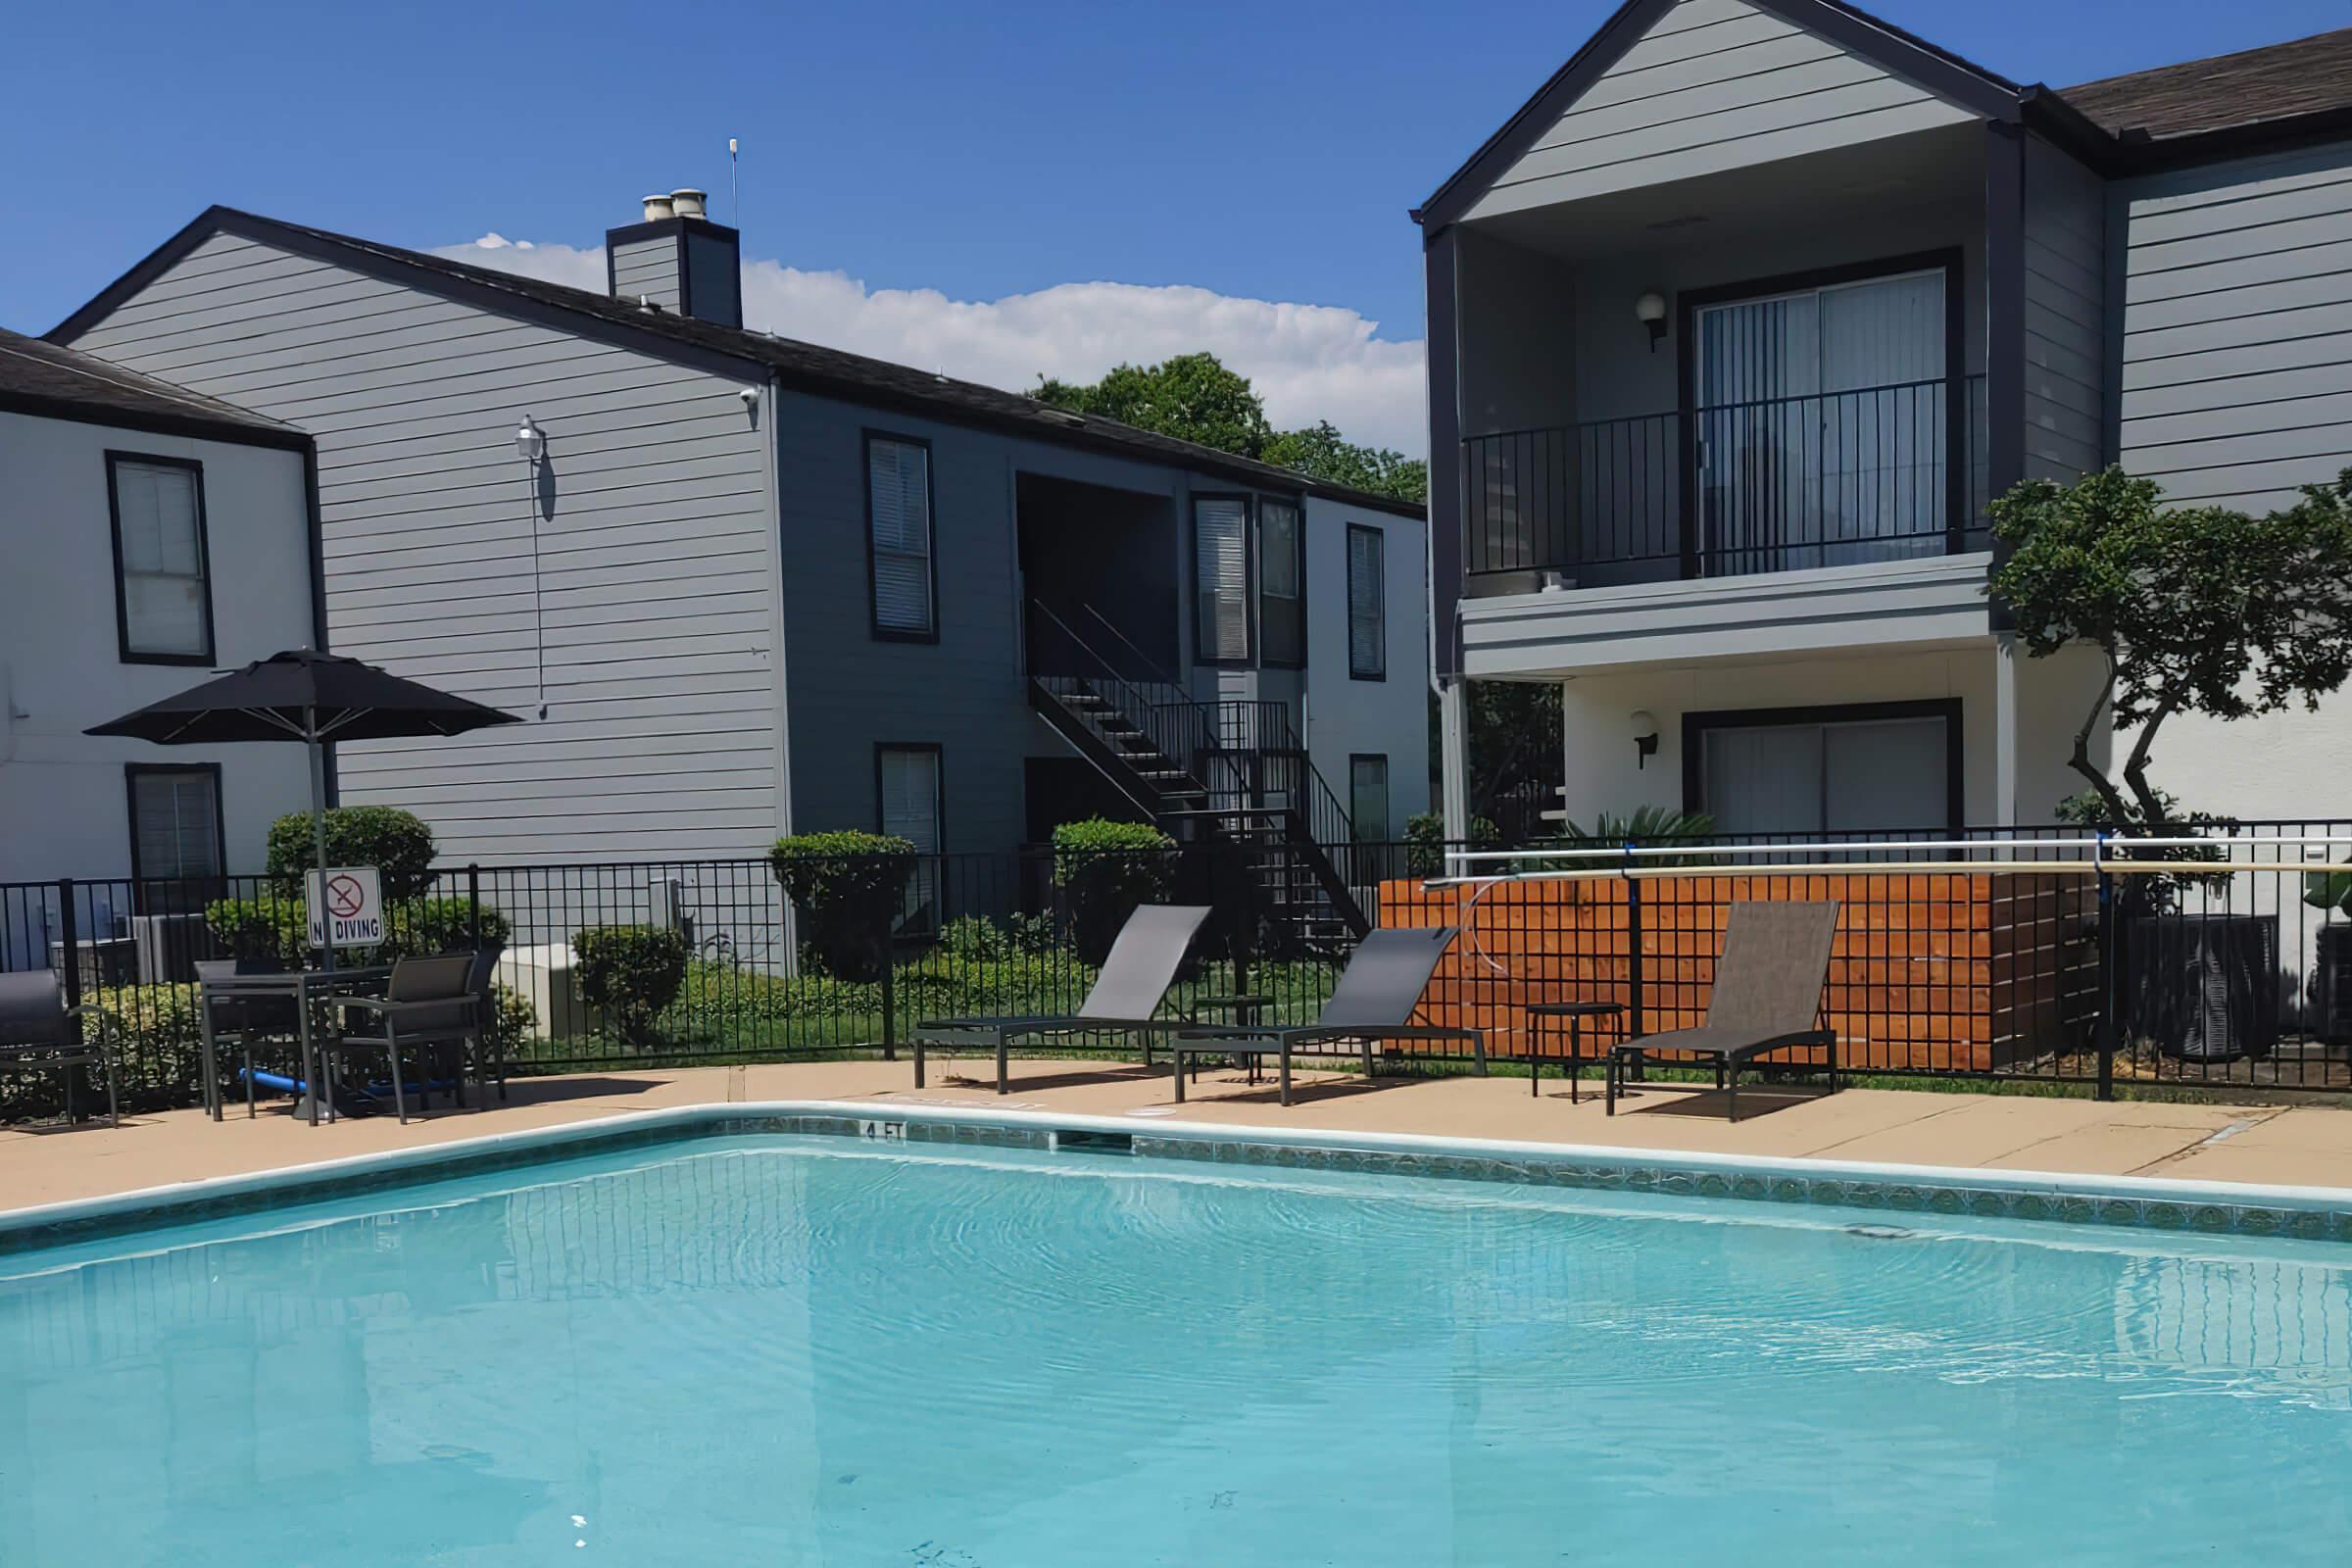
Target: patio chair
(1767, 999)
(1126, 994)
(1377, 995)
(489, 1051)
(39, 1033)
(244, 1019)
(428, 1004)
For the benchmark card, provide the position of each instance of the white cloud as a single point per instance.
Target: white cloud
(1308, 361)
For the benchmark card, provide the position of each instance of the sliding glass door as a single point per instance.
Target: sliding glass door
(1821, 426)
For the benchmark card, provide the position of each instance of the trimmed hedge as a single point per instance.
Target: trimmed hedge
(1106, 868)
(630, 973)
(847, 886)
(275, 926)
(394, 842)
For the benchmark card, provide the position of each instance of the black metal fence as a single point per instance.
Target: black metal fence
(2031, 954)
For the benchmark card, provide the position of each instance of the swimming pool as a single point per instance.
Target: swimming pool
(786, 1348)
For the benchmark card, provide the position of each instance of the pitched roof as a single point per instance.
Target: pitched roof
(2279, 82)
(41, 378)
(803, 367)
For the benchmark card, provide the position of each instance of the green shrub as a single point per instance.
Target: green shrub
(394, 842)
(1424, 840)
(847, 887)
(270, 926)
(1106, 868)
(274, 925)
(513, 1022)
(418, 926)
(975, 938)
(630, 972)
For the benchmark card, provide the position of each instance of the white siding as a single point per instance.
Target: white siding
(1386, 718)
(1715, 84)
(654, 595)
(2066, 324)
(63, 811)
(2237, 328)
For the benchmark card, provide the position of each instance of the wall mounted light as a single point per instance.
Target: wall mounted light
(1650, 311)
(1646, 736)
(530, 441)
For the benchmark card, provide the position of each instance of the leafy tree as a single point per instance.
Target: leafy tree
(2198, 609)
(1320, 450)
(1192, 397)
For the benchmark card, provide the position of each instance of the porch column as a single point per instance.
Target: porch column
(2004, 731)
(1453, 755)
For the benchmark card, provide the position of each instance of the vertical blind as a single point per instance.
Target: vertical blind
(1368, 798)
(910, 812)
(898, 479)
(1221, 563)
(1282, 609)
(1367, 604)
(1866, 776)
(175, 822)
(166, 606)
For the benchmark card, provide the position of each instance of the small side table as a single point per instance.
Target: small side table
(1576, 1012)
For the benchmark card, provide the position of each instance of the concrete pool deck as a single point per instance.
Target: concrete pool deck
(2306, 1145)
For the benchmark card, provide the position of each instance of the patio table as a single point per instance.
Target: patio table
(306, 988)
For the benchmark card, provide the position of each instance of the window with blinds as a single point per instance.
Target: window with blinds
(161, 597)
(175, 837)
(909, 784)
(1368, 798)
(1282, 584)
(1367, 605)
(898, 508)
(1221, 578)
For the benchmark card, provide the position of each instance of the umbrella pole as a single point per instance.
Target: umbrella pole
(326, 955)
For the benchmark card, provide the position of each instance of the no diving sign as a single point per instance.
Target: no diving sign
(353, 902)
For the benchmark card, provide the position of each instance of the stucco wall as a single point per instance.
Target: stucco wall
(64, 806)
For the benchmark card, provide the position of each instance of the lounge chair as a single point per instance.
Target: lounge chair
(1377, 995)
(1125, 998)
(1766, 999)
(39, 1033)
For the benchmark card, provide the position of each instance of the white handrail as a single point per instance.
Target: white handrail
(2101, 844)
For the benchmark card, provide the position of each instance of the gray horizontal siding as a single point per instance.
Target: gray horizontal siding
(2065, 315)
(2237, 328)
(647, 268)
(1715, 84)
(653, 598)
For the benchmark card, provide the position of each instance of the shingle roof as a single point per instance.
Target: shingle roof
(806, 366)
(2224, 91)
(42, 377)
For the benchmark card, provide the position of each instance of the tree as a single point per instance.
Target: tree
(1192, 397)
(1319, 449)
(1514, 757)
(2198, 609)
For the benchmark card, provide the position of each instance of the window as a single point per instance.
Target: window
(1282, 584)
(1221, 578)
(907, 778)
(898, 513)
(1368, 798)
(162, 599)
(175, 862)
(1876, 768)
(1367, 605)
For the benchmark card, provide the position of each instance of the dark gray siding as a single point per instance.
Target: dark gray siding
(652, 593)
(2237, 327)
(2065, 321)
(1715, 84)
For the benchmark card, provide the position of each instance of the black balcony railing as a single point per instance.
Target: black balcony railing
(1831, 478)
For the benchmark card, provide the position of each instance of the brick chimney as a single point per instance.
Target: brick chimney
(678, 261)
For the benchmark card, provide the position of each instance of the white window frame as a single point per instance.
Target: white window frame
(133, 477)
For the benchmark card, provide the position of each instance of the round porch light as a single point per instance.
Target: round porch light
(1650, 311)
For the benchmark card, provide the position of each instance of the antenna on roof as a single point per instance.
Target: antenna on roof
(734, 187)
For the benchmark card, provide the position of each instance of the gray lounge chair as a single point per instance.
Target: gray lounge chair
(39, 1033)
(1766, 999)
(1126, 994)
(1377, 995)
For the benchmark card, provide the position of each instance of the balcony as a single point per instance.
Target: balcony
(1782, 484)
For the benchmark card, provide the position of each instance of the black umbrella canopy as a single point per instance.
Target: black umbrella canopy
(304, 696)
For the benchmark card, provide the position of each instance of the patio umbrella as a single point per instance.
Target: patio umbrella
(311, 698)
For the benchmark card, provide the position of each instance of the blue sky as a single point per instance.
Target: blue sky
(1265, 151)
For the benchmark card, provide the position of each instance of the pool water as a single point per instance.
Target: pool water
(806, 1350)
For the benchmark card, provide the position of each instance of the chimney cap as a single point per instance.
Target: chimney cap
(687, 202)
(656, 208)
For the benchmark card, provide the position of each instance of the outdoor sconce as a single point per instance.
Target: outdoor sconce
(1646, 737)
(1650, 311)
(530, 441)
